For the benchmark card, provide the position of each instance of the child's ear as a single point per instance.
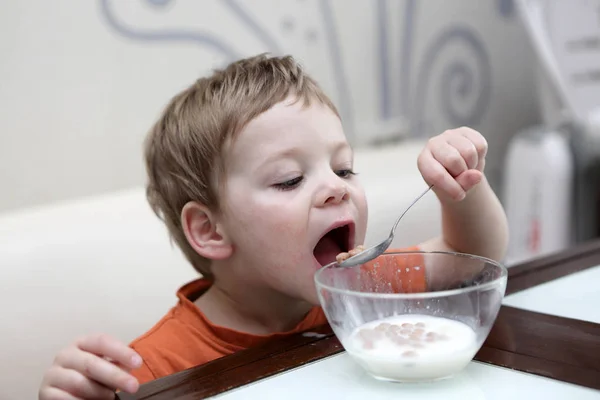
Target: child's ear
(203, 233)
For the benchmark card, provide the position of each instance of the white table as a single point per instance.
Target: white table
(339, 377)
(573, 296)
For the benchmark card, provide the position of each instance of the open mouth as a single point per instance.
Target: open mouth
(334, 242)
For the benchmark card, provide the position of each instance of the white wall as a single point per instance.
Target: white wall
(82, 81)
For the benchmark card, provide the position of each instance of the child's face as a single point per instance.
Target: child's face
(288, 184)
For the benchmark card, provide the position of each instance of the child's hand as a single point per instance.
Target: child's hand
(91, 368)
(453, 162)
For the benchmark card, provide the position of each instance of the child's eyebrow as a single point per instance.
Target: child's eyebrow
(294, 151)
(339, 146)
(278, 155)
(336, 147)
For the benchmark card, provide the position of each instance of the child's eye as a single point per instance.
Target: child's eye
(345, 173)
(289, 184)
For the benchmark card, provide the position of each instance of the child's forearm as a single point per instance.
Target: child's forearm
(477, 225)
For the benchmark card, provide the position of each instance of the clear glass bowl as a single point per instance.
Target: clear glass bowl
(413, 316)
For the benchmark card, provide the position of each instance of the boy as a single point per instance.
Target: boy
(251, 172)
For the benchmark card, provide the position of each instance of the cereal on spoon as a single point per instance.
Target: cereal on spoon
(344, 256)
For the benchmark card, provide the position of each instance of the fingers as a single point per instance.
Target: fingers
(52, 393)
(448, 156)
(469, 179)
(454, 161)
(92, 362)
(94, 367)
(436, 174)
(114, 349)
(74, 385)
(97, 369)
(478, 141)
(466, 150)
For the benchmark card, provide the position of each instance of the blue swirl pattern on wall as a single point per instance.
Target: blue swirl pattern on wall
(201, 38)
(338, 65)
(405, 57)
(457, 80)
(221, 47)
(457, 74)
(159, 3)
(250, 23)
(384, 59)
(506, 8)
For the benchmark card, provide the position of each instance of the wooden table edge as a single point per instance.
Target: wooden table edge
(554, 266)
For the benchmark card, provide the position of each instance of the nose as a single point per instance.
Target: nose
(334, 192)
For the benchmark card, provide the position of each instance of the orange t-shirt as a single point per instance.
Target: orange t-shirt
(185, 338)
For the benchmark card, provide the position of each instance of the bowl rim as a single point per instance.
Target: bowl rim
(502, 279)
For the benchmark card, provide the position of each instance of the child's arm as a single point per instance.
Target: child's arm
(477, 225)
(93, 367)
(473, 220)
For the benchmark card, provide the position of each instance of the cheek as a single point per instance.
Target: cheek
(275, 230)
(271, 241)
(360, 202)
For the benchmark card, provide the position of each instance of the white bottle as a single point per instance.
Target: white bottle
(538, 194)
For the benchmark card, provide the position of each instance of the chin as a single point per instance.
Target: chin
(306, 288)
(311, 297)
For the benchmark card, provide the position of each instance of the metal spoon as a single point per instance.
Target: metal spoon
(378, 249)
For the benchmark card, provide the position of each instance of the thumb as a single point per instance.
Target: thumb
(468, 179)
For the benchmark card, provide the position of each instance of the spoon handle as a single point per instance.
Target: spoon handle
(408, 208)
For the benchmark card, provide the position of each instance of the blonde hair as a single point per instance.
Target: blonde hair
(184, 150)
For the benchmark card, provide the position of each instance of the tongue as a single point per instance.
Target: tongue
(326, 250)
